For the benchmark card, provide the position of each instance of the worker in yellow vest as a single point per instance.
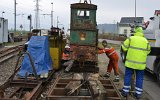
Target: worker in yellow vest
(137, 48)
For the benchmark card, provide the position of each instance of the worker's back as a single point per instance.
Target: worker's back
(137, 48)
(142, 44)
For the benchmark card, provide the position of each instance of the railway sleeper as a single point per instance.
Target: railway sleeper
(78, 89)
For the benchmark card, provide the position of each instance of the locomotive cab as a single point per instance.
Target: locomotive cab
(84, 37)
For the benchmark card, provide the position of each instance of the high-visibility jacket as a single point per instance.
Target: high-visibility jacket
(110, 52)
(137, 48)
(113, 59)
(65, 55)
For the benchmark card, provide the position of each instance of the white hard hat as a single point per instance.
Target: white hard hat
(67, 46)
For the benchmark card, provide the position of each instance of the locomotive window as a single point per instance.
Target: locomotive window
(87, 13)
(83, 13)
(80, 13)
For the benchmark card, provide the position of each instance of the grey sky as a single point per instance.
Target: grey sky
(109, 11)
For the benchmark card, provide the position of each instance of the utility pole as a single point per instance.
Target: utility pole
(57, 21)
(52, 15)
(37, 19)
(15, 16)
(134, 73)
(30, 19)
(135, 14)
(2, 13)
(135, 8)
(23, 21)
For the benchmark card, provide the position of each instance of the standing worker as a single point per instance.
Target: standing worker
(113, 60)
(137, 48)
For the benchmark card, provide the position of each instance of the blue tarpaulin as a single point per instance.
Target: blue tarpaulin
(38, 47)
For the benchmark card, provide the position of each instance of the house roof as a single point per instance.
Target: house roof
(129, 20)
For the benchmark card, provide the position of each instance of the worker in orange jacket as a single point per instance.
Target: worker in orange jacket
(65, 55)
(113, 60)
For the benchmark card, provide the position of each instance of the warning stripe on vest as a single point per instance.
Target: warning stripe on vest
(111, 53)
(137, 48)
(135, 61)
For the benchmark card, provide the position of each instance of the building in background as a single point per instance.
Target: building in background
(3, 30)
(123, 26)
(107, 28)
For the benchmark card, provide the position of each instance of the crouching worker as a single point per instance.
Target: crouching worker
(65, 55)
(113, 60)
(66, 60)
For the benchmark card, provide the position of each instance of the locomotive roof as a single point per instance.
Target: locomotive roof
(84, 6)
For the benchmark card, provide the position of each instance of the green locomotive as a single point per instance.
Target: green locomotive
(84, 37)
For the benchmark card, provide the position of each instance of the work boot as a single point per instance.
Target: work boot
(124, 94)
(116, 78)
(137, 96)
(107, 75)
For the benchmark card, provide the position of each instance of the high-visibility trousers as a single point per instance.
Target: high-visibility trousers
(139, 80)
(113, 63)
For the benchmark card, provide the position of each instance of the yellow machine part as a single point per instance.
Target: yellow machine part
(55, 55)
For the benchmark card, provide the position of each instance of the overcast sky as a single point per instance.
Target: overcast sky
(109, 11)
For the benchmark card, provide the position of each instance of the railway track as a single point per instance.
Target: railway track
(28, 88)
(8, 53)
(74, 88)
(64, 86)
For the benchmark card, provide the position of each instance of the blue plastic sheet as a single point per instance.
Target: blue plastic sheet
(38, 47)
